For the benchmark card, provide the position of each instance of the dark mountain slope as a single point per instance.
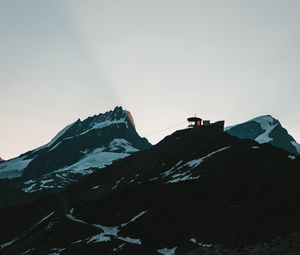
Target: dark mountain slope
(195, 187)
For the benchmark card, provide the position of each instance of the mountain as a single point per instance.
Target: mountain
(198, 191)
(1, 159)
(79, 149)
(266, 129)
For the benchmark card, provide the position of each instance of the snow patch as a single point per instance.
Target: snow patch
(193, 240)
(71, 217)
(94, 159)
(134, 218)
(108, 232)
(267, 123)
(110, 122)
(106, 123)
(150, 180)
(184, 178)
(56, 251)
(30, 188)
(119, 247)
(29, 250)
(264, 137)
(170, 171)
(123, 144)
(129, 240)
(77, 242)
(113, 231)
(29, 182)
(33, 186)
(166, 251)
(13, 168)
(196, 162)
(42, 220)
(186, 175)
(50, 225)
(44, 182)
(4, 245)
(297, 146)
(99, 238)
(55, 146)
(117, 183)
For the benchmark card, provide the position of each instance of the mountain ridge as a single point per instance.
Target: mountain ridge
(196, 188)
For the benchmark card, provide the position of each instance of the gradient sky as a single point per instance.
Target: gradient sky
(163, 60)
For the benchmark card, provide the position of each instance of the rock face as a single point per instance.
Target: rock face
(198, 191)
(78, 150)
(266, 129)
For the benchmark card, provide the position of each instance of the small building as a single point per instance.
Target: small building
(194, 122)
(197, 122)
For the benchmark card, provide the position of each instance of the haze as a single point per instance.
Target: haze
(163, 60)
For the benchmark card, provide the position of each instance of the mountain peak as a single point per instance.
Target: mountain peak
(265, 129)
(266, 120)
(77, 150)
(118, 116)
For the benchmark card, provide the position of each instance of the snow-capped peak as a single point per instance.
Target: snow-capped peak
(116, 116)
(90, 143)
(265, 121)
(265, 129)
(81, 127)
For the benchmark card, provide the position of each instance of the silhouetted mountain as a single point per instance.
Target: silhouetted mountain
(79, 149)
(197, 189)
(266, 129)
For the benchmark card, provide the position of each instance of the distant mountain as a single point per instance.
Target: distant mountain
(266, 129)
(1, 159)
(198, 190)
(79, 149)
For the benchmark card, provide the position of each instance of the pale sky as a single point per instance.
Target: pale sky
(163, 60)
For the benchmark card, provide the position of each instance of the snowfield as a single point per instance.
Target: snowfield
(13, 168)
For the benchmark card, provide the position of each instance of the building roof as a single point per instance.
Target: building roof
(194, 119)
